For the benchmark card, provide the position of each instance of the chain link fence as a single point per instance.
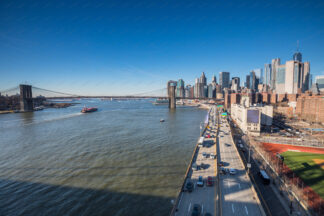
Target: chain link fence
(290, 185)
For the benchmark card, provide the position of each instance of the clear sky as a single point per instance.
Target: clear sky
(123, 47)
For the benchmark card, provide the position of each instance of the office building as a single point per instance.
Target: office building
(235, 84)
(203, 79)
(319, 80)
(274, 64)
(180, 88)
(254, 81)
(250, 119)
(291, 77)
(247, 82)
(214, 79)
(297, 56)
(196, 88)
(224, 79)
(267, 75)
(259, 75)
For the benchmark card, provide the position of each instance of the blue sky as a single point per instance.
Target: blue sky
(125, 47)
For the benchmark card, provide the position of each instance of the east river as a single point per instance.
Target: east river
(119, 160)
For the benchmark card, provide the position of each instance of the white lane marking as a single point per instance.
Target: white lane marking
(189, 207)
(246, 210)
(202, 209)
(233, 208)
(180, 199)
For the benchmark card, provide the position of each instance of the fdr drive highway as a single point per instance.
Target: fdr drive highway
(237, 195)
(225, 188)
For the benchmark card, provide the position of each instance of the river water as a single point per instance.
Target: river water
(118, 161)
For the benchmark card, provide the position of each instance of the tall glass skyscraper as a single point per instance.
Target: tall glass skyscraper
(267, 74)
(224, 79)
(259, 74)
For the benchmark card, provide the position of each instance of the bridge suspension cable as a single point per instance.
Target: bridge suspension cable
(157, 92)
(56, 92)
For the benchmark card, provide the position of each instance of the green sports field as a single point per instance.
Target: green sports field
(309, 167)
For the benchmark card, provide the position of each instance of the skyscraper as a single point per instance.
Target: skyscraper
(320, 82)
(235, 84)
(297, 55)
(259, 75)
(254, 81)
(203, 79)
(180, 88)
(267, 75)
(247, 82)
(224, 79)
(214, 80)
(274, 64)
(196, 88)
(291, 76)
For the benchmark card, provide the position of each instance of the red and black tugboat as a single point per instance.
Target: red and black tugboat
(87, 110)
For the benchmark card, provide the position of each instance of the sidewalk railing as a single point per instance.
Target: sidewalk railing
(299, 194)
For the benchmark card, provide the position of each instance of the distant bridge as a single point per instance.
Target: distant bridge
(27, 93)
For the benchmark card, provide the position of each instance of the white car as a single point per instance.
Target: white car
(232, 171)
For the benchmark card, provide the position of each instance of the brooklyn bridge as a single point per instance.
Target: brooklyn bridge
(26, 97)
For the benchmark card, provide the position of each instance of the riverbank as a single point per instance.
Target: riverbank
(7, 111)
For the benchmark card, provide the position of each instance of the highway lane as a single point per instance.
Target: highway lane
(237, 197)
(204, 196)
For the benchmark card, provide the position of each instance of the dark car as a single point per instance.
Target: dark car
(221, 163)
(196, 210)
(207, 214)
(223, 171)
(209, 181)
(189, 186)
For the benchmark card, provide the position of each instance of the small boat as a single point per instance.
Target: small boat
(161, 102)
(162, 120)
(87, 110)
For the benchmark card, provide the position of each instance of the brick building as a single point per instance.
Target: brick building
(310, 108)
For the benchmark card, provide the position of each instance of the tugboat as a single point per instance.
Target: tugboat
(162, 120)
(87, 110)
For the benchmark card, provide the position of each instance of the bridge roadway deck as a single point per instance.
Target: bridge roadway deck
(237, 197)
(204, 196)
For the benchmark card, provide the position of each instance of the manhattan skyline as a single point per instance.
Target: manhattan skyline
(93, 48)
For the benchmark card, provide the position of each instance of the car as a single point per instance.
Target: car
(196, 210)
(210, 181)
(223, 171)
(207, 214)
(189, 186)
(195, 167)
(204, 154)
(221, 163)
(212, 156)
(200, 181)
(232, 171)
